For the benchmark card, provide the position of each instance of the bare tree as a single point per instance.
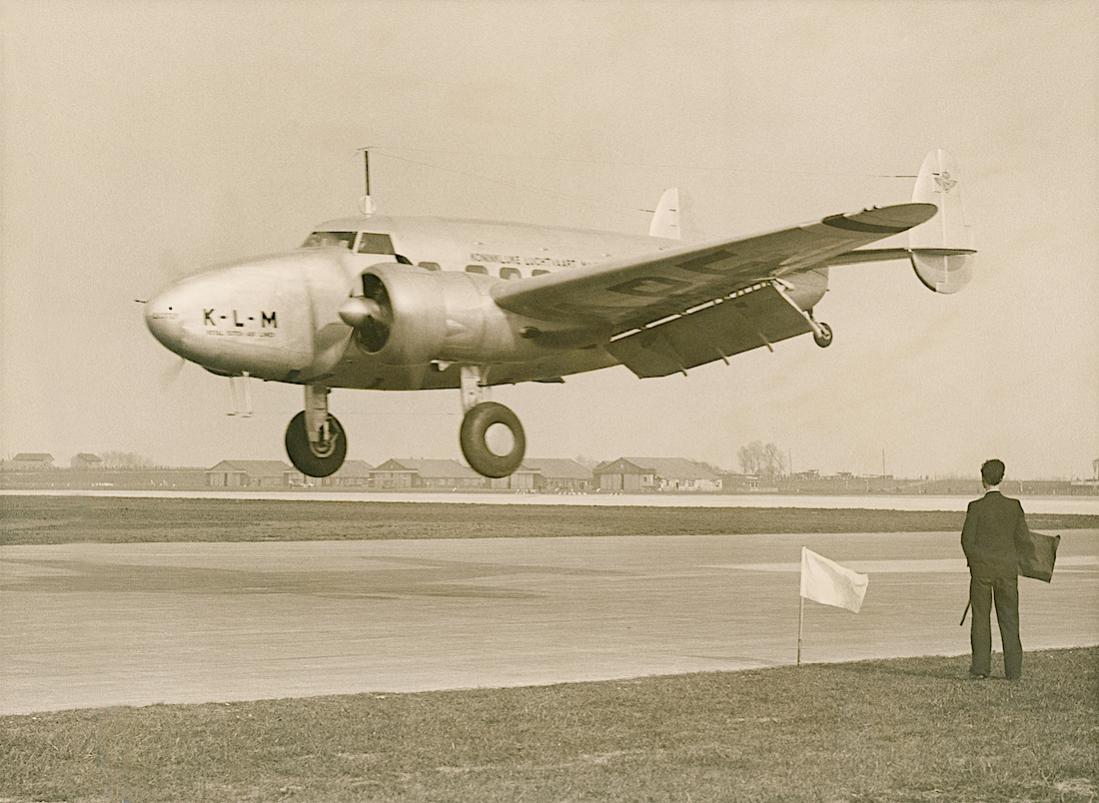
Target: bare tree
(750, 457)
(125, 460)
(763, 460)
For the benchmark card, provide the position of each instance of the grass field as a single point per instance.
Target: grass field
(905, 729)
(57, 520)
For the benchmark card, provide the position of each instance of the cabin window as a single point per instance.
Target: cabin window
(481, 269)
(429, 265)
(375, 244)
(539, 272)
(510, 273)
(329, 239)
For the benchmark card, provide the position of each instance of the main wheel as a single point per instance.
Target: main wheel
(473, 436)
(824, 339)
(315, 459)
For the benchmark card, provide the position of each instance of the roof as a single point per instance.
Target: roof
(353, 468)
(670, 468)
(88, 457)
(558, 468)
(34, 457)
(428, 469)
(619, 466)
(254, 467)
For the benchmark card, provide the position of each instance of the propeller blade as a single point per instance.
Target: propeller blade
(171, 373)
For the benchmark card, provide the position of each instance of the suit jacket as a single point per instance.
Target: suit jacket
(994, 535)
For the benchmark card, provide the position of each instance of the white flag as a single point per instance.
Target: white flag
(828, 583)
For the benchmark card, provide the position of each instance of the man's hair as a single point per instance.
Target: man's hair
(992, 472)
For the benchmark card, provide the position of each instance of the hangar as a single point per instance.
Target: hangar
(251, 474)
(639, 474)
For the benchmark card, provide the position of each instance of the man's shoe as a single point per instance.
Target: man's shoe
(978, 676)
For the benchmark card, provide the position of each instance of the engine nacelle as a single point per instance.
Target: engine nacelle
(409, 316)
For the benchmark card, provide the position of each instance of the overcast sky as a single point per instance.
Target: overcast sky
(144, 140)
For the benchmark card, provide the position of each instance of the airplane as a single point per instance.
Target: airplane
(425, 303)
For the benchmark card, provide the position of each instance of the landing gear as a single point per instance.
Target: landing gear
(479, 424)
(822, 332)
(315, 441)
(473, 436)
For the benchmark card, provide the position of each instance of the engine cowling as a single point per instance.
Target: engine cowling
(405, 315)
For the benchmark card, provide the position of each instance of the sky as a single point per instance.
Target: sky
(142, 141)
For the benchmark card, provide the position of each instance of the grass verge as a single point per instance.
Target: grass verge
(59, 520)
(903, 729)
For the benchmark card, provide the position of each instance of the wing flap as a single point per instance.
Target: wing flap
(749, 320)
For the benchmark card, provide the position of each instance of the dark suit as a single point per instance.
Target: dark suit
(994, 530)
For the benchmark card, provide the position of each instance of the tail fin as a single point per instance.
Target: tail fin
(665, 222)
(939, 183)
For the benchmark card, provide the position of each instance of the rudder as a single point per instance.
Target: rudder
(938, 183)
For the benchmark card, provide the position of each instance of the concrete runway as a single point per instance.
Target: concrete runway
(104, 624)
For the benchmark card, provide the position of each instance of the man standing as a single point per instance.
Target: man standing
(995, 530)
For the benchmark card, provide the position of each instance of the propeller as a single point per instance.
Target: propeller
(370, 314)
(171, 372)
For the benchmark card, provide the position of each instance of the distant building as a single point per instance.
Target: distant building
(30, 461)
(560, 475)
(415, 473)
(523, 478)
(86, 460)
(1095, 468)
(352, 474)
(625, 476)
(736, 483)
(640, 474)
(252, 474)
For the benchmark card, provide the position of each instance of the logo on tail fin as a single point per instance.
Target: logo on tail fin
(944, 181)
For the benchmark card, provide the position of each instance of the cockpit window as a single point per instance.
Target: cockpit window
(375, 244)
(330, 239)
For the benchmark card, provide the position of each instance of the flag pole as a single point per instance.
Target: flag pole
(801, 615)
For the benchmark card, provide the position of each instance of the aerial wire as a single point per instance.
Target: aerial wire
(388, 152)
(647, 165)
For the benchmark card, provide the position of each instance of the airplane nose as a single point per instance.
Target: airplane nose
(164, 320)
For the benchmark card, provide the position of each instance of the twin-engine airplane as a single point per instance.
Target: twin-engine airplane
(397, 303)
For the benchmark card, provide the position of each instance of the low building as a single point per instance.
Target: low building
(623, 476)
(407, 473)
(740, 483)
(560, 475)
(640, 474)
(30, 461)
(352, 474)
(523, 478)
(86, 460)
(252, 474)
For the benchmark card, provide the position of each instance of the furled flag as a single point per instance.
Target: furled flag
(828, 583)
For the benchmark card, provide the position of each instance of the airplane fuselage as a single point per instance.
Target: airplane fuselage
(277, 317)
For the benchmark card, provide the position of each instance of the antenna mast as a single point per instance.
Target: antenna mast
(366, 203)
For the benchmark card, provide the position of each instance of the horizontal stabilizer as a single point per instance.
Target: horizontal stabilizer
(951, 269)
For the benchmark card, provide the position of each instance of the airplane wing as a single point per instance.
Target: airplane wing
(624, 294)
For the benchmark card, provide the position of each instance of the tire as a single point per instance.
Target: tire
(308, 460)
(475, 425)
(824, 339)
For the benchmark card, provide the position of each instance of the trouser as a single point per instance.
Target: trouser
(1005, 592)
